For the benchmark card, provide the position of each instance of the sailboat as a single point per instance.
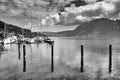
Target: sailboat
(23, 39)
(48, 39)
(8, 40)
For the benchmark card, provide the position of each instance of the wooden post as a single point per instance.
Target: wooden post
(52, 58)
(110, 59)
(19, 56)
(82, 59)
(24, 59)
(2, 43)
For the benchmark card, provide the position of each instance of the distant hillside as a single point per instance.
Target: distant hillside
(49, 33)
(12, 29)
(17, 30)
(95, 28)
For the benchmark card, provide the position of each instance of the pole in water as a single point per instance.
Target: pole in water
(110, 58)
(24, 59)
(2, 43)
(52, 58)
(82, 59)
(19, 56)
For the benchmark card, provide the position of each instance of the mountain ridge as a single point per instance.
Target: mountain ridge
(95, 28)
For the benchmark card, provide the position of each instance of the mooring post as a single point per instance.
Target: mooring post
(2, 43)
(19, 51)
(24, 59)
(110, 59)
(82, 59)
(52, 58)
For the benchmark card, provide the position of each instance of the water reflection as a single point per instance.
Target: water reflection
(31, 56)
(66, 54)
(19, 53)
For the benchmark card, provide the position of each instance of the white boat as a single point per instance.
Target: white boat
(10, 40)
(31, 40)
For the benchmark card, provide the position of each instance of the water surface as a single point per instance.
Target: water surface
(66, 57)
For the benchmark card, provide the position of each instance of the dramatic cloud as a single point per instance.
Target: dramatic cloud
(45, 11)
(93, 10)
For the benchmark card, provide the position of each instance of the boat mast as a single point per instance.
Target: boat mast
(23, 32)
(31, 26)
(31, 23)
(41, 25)
(5, 29)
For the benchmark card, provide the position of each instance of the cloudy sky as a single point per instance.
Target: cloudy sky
(56, 15)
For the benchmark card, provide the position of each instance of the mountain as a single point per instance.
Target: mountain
(95, 28)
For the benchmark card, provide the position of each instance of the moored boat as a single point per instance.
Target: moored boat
(49, 41)
(10, 40)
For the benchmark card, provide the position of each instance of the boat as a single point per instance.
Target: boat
(23, 41)
(31, 40)
(49, 41)
(10, 40)
(38, 39)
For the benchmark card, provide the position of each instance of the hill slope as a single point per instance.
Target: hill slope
(98, 27)
(12, 29)
(17, 30)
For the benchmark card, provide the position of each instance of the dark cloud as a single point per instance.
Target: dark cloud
(77, 3)
(92, 10)
(81, 11)
(99, 0)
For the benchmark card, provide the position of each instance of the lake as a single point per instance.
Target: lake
(67, 59)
